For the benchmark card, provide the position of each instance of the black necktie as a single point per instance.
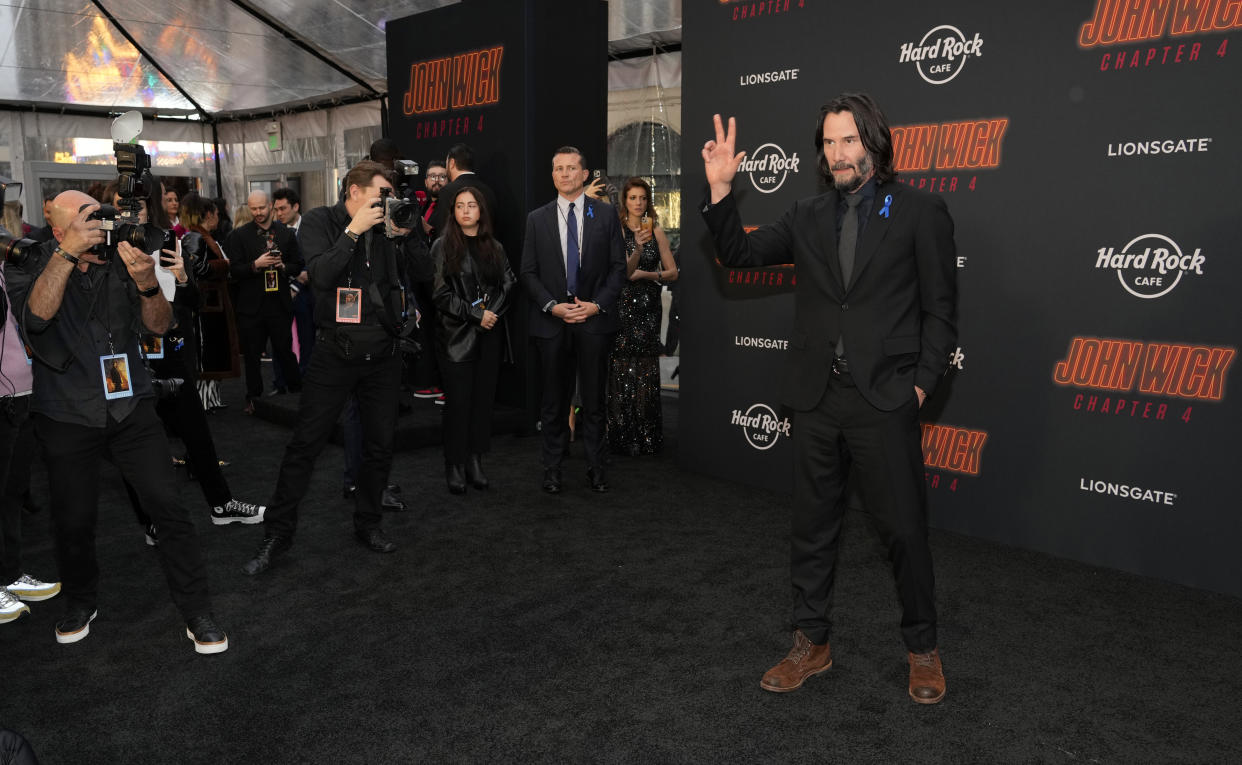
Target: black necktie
(846, 247)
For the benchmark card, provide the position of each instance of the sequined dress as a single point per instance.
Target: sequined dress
(635, 422)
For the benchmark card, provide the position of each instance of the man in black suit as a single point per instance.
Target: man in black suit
(875, 321)
(460, 166)
(573, 268)
(263, 257)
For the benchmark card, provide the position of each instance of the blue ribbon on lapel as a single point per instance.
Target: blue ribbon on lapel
(888, 202)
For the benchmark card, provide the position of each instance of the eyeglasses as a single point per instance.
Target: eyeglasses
(436, 177)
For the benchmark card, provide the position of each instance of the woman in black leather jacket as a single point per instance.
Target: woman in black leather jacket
(473, 288)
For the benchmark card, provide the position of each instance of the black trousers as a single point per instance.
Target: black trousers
(573, 352)
(14, 411)
(138, 448)
(844, 437)
(329, 380)
(469, 397)
(183, 416)
(255, 330)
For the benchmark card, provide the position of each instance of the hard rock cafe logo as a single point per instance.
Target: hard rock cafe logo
(761, 426)
(1150, 265)
(769, 166)
(941, 54)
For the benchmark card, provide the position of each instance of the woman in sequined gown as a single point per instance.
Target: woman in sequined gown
(635, 422)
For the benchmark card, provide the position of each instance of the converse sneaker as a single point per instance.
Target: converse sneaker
(207, 637)
(75, 625)
(31, 589)
(237, 511)
(11, 609)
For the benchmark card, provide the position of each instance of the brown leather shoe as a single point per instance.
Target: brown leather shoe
(926, 677)
(804, 659)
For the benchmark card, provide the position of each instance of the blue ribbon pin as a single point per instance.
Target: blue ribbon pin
(888, 202)
(590, 211)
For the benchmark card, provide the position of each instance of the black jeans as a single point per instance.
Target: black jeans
(329, 380)
(138, 448)
(254, 331)
(469, 396)
(14, 411)
(183, 416)
(844, 437)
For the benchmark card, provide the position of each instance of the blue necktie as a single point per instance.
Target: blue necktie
(571, 251)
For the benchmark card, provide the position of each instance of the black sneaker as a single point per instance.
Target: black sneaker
(207, 637)
(75, 625)
(237, 511)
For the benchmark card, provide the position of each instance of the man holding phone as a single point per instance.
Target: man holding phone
(263, 257)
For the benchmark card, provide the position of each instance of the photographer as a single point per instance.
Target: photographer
(352, 265)
(93, 400)
(175, 366)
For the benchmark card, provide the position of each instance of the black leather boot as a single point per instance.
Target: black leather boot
(474, 471)
(455, 475)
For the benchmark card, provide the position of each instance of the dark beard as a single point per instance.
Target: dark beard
(863, 174)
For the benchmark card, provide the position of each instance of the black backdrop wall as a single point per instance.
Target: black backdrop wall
(1089, 154)
(514, 79)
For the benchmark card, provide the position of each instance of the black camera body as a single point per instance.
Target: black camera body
(399, 211)
(120, 223)
(14, 249)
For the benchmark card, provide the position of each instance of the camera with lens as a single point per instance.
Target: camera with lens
(399, 211)
(14, 249)
(120, 223)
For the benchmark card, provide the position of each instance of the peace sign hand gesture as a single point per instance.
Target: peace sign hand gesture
(719, 162)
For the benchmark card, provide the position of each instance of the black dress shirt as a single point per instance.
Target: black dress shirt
(100, 315)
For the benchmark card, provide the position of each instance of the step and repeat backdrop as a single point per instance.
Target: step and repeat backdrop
(1089, 152)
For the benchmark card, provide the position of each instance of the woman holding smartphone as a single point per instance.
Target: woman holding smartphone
(635, 420)
(473, 288)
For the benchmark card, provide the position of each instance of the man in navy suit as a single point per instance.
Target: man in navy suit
(875, 321)
(573, 268)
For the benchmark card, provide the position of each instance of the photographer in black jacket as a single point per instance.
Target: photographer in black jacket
(356, 271)
(93, 400)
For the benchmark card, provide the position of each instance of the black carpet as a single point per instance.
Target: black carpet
(633, 627)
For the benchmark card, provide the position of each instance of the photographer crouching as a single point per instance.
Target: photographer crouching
(81, 307)
(358, 261)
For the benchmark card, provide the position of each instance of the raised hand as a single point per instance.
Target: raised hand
(719, 161)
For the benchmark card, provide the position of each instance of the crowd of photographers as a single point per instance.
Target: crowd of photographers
(123, 315)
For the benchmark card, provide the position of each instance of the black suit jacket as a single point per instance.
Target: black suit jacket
(600, 277)
(898, 314)
(444, 201)
(243, 248)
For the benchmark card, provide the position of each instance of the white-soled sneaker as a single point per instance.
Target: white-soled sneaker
(75, 625)
(11, 609)
(31, 589)
(237, 511)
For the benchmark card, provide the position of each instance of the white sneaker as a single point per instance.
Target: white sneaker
(11, 608)
(31, 589)
(237, 511)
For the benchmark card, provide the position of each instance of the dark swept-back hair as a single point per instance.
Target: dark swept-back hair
(873, 129)
(462, 156)
(287, 194)
(623, 210)
(486, 253)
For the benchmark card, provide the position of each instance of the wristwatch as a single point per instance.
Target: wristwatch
(150, 291)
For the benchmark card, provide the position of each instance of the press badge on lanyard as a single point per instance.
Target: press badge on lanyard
(348, 305)
(116, 379)
(271, 283)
